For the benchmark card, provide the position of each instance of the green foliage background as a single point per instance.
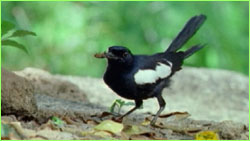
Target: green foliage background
(70, 33)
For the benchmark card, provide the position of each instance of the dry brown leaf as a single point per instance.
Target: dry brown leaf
(38, 137)
(5, 138)
(18, 128)
(14, 137)
(146, 136)
(68, 120)
(54, 135)
(9, 118)
(173, 113)
(139, 137)
(104, 114)
(46, 125)
(91, 122)
(192, 131)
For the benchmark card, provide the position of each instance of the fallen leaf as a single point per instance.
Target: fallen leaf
(145, 122)
(103, 134)
(54, 134)
(104, 114)
(111, 126)
(98, 133)
(148, 134)
(175, 116)
(207, 135)
(144, 136)
(139, 137)
(68, 120)
(193, 131)
(13, 131)
(163, 119)
(8, 132)
(18, 128)
(46, 125)
(85, 133)
(172, 114)
(92, 122)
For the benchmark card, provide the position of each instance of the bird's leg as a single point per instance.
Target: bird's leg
(138, 104)
(162, 104)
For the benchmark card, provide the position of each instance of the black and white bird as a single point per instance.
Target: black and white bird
(139, 77)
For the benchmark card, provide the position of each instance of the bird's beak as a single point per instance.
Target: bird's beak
(107, 55)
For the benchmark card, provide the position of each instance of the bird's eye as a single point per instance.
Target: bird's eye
(125, 54)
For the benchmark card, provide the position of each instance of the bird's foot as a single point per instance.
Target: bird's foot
(117, 119)
(153, 121)
(116, 115)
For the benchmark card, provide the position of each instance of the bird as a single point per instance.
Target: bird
(139, 77)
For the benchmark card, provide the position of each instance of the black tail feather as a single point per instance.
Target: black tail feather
(192, 50)
(186, 33)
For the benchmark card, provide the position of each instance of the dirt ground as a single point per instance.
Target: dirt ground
(201, 104)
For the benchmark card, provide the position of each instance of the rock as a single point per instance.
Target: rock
(210, 94)
(37, 93)
(16, 95)
(48, 106)
(45, 83)
(231, 131)
(207, 94)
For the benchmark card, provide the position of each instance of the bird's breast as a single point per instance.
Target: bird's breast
(121, 83)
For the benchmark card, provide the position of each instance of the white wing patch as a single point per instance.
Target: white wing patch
(151, 76)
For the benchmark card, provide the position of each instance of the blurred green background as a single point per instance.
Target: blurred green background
(70, 33)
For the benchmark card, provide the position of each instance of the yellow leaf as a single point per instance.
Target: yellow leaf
(207, 135)
(85, 133)
(103, 134)
(111, 126)
(145, 122)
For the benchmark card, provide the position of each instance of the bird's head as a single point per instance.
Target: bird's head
(117, 54)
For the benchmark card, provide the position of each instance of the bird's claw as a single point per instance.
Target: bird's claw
(117, 119)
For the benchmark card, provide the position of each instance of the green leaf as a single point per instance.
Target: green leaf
(120, 102)
(57, 121)
(20, 33)
(14, 44)
(130, 104)
(6, 27)
(112, 107)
